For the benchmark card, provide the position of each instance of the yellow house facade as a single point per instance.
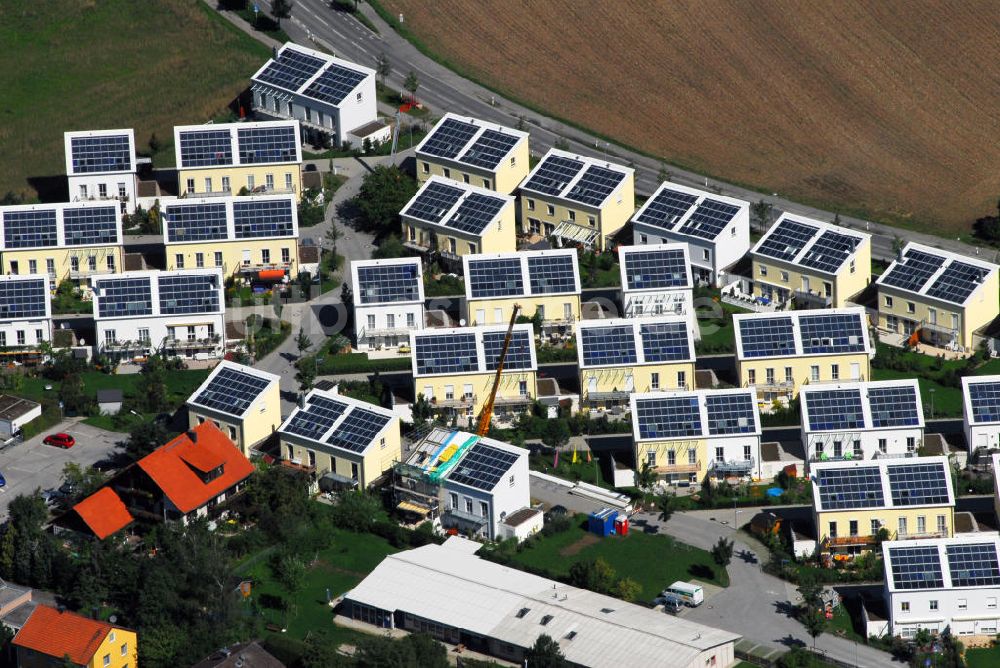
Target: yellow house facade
(619, 357)
(545, 282)
(814, 264)
(476, 152)
(908, 497)
(221, 159)
(576, 199)
(243, 402)
(71, 241)
(778, 353)
(49, 636)
(942, 297)
(451, 220)
(348, 442)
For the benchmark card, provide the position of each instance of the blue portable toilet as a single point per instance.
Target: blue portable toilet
(602, 522)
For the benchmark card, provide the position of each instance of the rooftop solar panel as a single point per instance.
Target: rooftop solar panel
(127, 296)
(475, 212)
(30, 229)
(188, 293)
(666, 208)
(767, 337)
(489, 149)
(205, 148)
(195, 222)
(23, 299)
(595, 185)
(604, 346)
(449, 138)
(482, 467)
(957, 282)
(518, 353)
(495, 277)
(232, 391)
(894, 406)
(358, 429)
(985, 400)
(334, 84)
(668, 417)
(551, 274)
(553, 174)
(665, 341)
(291, 69)
(710, 218)
(446, 353)
(847, 488)
(830, 251)
(913, 271)
(384, 284)
(104, 153)
(833, 410)
(268, 144)
(918, 484)
(653, 269)
(832, 333)
(973, 565)
(916, 567)
(255, 218)
(434, 201)
(787, 240)
(731, 413)
(92, 225)
(316, 418)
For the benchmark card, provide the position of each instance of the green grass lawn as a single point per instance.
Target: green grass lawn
(180, 384)
(842, 625)
(987, 657)
(582, 470)
(947, 400)
(652, 560)
(70, 65)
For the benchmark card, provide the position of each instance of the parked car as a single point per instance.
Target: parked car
(672, 604)
(3, 481)
(60, 440)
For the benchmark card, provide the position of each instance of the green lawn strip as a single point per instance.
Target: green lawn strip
(180, 384)
(947, 400)
(589, 472)
(983, 657)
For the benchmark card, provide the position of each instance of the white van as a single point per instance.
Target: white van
(692, 594)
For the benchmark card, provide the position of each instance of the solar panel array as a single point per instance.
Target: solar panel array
(895, 406)
(918, 484)
(448, 140)
(291, 69)
(188, 293)
(495, 277)
(254, 218)
(665, 341)
(603, 346)
(475, 212)
(267, 144)
(766, 337)
(731, 413)
(489, 149)
(787, 239)
(434, 201)
(853, 487)
(334, 84)
(666, 207)
(553, 174)
(973, 565)
(832, 333)
(205, 148)
(316, 418)
(710, 218)
(482, 466)
(985, 400)
(835, 410)
(119, 297)
(384, 284)
(957, 282)
(445, 353)
(356, 431)
(916, 567)
(195, 222)
(106, 153)
(830, 251)
(23, 299)
(518, 353)
(90, 225)
(30, 229)
(232, 391)
(652, 269)
(595, 185)
(914, 270)
(668, 417)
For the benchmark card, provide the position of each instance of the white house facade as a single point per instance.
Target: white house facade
(25, 313)
(656, 280)
(100, 165)
(981, 412)
(388, 301)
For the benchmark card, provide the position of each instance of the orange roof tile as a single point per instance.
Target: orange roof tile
(104, 513)
(171, 466)
(62, 634)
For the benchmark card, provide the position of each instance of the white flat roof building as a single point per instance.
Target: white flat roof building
(981, 412)
(388, 301)
(101, 165)
(505, 610)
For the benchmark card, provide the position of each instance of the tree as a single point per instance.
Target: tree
(761, 212)
(722, 552)
(422, 411)
(383, 194)
(302, 342)
(412, 83)
(897, 245)
(305, 374)
(390, 247)
(522, 123)
(545, 653)
(556, 434)
(153, 385)
(645, 477)
(595, 575)
(333, 235)
(144, 438)
(355, 511)
(383, 67)
(663, 174)
(291, 573)
(811, 592)
(665, 506)
(84, 481)
(154, 143)
(561, 144)
(347, 296)
(814, 619)
(281, 9)
(72, 395)
(321, 651)
(627, 589)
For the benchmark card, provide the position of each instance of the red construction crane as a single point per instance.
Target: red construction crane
(486, 415)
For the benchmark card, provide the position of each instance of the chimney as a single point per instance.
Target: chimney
(193, 435)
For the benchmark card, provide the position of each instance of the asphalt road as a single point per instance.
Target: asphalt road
(32, 465)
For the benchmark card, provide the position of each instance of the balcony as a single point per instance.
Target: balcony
(734, 466)
(227, 192)
(773, 385)
(190, 344)
(849, 541)
(514, 400)
(120, 346)
(257, 267)
(78, 274)
(385, 331)
(574, 233)
(812, 299)
(678, 468)
(834, 381)
(462, 517)
(460, 402)
(918, 536)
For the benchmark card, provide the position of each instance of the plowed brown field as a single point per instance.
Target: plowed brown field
(890, 107)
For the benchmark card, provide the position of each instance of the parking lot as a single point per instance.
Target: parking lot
(32, 465)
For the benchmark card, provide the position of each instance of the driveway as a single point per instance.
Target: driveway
(32, 465)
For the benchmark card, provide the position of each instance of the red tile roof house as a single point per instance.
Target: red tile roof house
(50, 637)
(100, 515)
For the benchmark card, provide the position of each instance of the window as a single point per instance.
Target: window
(3, 339)
(522, 388)
(746, 453)
(208, 184)
(449, 392)
(911, 443)
(942, 524)
(888, 301)
(788, 375)
(20, 337)
(911, 307)
(411, 320)
(827, 289)
(654, 380)
(107, 659)
(110, 262)
(218, 258)
(468, 506)
(39, 335)
(144, 334)
(14, 267)
(954, 321)
(814, 373)
(50, 266)
(360, 96)
(883, 445)
(705, 254)
(991, 603)
(83, 191)
(932, 315)
(763, 270)
(425, 167)
(251, 182)
(309, 115)
(857, 449)
(465, 178)
(232, 437)
(486, 183)
(875, 526)
(963, 604)
(852, 266)
(902, 526)
(211, 330)
(92, 262)
(643, 239)
(390, 320)
(572, 215)
(102, 190)
(447, 173)
(671, 458)
(682, 379)
(531, 205)
(124, 648)
(751, 376)
(179, 260)
(784, 277)
(371, 321)
(484, 509)
(720, 454)
(191, 331)
(288, 181)
(472, 247)
(591, 221)
(109, 336)
(835, 371)
(269, 181)
(838, 449)
(933, 604)
(832, 530)
(904, 606)
(452, 245)
(692, 456)
(921, 524)
(853, 527)
(769, 376)
(286, 256)
(453, 500)
(550, 209)
(639, 308)
(225, 184)
(32, 266)
(651, 458)
(265, 256)
(190, 185)
(199, 260)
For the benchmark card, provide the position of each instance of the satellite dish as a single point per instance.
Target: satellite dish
(113, 619)
(461, 322)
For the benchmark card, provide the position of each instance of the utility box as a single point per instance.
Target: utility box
(602, 522)
(621, 525)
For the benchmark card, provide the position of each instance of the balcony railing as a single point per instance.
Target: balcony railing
(732, 465)
(850, 541)
(83, 273)
(774, 385)
(833, 381)
(919, 535)
(513, 400)
(385, 331)
(127, 345)
(813, 298)
(679, 468)
(462, 516)
(191, 343)
(455, 402)
(254, 267)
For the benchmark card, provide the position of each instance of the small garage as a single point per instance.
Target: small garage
(16, 412)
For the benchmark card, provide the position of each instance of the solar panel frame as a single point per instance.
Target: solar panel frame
(232, 391)
(434, 201)
(787, 239)
(918, 484)
(731, 413)
(851, 487)
(835, 410)
(608, 345)
(957, 282)
(894, 406)
(100, 154)
(709, 218)
(316, 418)
(973, 565)
(595, 185)
(358, 429)
(666, 208)
(665, 341)
(518, 353)
(669, 417)
(829, 252)
(291, 69)
(475, 213)
(334, 84)
(188, 293)
(124, 296)
(449, 138)
(90, 226)
(206, 148)
(445, 353)
(196, 222)
(984, 399)
(388, 283)
(913, 271)
(553, 174)
(656, 269)
(551, 274)
(832, 333)
(267, 144)
(495, 277)
(489, 148)
(30, 229)
(24, 299)
(482, 467)
(255, 218)
(916, 567)
(767, 337)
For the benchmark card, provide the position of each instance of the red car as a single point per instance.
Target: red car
(60, 440)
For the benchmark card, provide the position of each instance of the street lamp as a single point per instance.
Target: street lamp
(932, 402)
